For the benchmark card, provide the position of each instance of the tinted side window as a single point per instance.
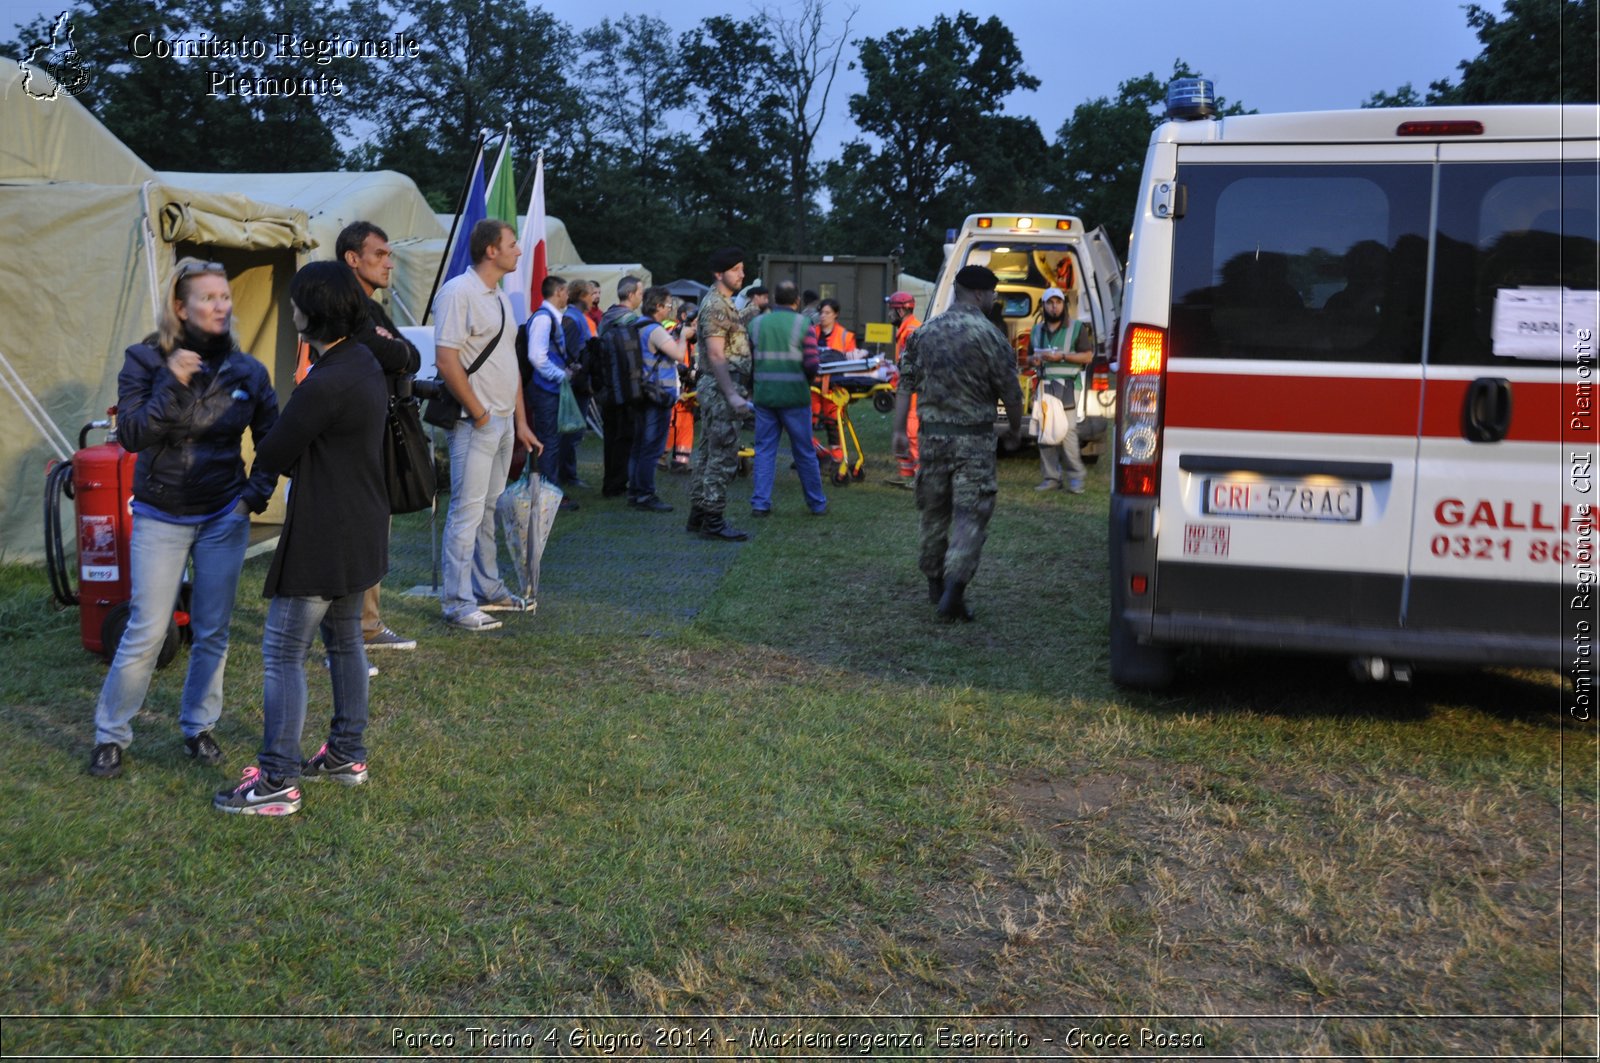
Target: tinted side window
(1516, 263)
(1320, 263)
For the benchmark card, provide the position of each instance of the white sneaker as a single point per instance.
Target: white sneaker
(388, 640)
(477, 620)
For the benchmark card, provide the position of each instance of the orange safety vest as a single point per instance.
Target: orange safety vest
(905, 329)
(840, 339)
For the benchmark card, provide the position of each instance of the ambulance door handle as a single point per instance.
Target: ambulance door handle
(1486, 413)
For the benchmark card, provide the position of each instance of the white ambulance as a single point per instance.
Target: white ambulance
(1356, 389)
(1031, 253)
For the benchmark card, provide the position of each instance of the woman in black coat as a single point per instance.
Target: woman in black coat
(334, 545)
(185, 397)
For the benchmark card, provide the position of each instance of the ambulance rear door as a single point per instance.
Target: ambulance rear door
(1292, 394)
(1514, 283)
(1107, 270)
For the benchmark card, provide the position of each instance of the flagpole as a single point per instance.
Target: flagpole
(461, 202)
(500, 160)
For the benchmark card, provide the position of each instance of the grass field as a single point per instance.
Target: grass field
(731, 784)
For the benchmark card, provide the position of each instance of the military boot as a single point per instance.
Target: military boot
(697, 520)
(953, 605)
(714, 526)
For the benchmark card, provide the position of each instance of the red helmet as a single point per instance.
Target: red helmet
(902, 299)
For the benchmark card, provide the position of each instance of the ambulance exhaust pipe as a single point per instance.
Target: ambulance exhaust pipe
(1375, 669)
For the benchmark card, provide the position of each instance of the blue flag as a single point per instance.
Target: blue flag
(476, 209)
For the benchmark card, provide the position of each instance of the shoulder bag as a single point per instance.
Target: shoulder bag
(444, 409)
(407, 458)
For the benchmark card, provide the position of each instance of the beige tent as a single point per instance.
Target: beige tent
(93, 235)
(332, 200)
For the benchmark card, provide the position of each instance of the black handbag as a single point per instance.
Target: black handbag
(444, 409)
(407, 458)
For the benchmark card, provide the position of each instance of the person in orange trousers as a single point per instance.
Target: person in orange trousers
(680, 430)
(902, 314)
(830, 336)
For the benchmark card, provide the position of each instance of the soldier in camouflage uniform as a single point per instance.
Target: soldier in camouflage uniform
(958, 365)
(723, 397)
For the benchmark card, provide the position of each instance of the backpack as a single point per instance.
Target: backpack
(557, 342)
(621, 362)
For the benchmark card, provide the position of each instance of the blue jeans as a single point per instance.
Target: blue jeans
(796, 421)
(157, 555)
(649, 440)
(291, 623)
(479, 459)
(559, 462)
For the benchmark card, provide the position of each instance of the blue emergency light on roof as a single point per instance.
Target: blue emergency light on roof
(1190, 98)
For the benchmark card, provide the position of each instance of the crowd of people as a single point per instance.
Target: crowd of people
(187, 394)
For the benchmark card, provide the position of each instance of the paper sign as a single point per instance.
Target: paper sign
(880, 332)
(1543, 323)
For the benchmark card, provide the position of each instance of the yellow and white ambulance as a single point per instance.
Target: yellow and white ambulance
(1355, 389)
(1030, 254)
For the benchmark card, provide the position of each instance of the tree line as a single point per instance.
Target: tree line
(661, 144)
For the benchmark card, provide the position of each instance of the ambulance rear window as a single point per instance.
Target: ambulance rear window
(1517, 261)
(1029, 262)
(1319, 263)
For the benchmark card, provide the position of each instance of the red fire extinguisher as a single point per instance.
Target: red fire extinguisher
(99, 480)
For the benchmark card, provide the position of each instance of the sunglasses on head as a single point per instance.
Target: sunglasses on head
(188, 269)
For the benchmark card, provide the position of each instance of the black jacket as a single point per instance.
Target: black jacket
(335, 538)
(187, 435)
(398, 358)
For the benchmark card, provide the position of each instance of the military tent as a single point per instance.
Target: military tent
(93, 235)
(332, 200)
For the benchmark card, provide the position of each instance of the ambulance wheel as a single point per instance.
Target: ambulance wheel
(115, 625)
(1136, 665)
(883, 402)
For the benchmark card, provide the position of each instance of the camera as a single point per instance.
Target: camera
(425, 389)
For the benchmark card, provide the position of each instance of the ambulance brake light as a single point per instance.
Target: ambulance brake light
(1440, 129)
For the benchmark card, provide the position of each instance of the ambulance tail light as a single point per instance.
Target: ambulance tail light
(1144, 363)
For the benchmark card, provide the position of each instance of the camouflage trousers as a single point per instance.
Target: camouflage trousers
(956, 488)
(716, 456)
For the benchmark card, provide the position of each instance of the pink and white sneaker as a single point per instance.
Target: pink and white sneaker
(257, 795)
(324, 765)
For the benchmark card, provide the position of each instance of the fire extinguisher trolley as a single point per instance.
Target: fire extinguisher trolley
(99, 481)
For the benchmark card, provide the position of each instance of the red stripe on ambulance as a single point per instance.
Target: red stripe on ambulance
(1358, 406)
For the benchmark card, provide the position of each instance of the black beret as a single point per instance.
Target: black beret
(725, 258)
(977, 279)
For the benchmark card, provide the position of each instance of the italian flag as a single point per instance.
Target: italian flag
(533, 267)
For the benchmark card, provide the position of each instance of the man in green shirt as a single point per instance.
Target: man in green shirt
(1060, 349)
